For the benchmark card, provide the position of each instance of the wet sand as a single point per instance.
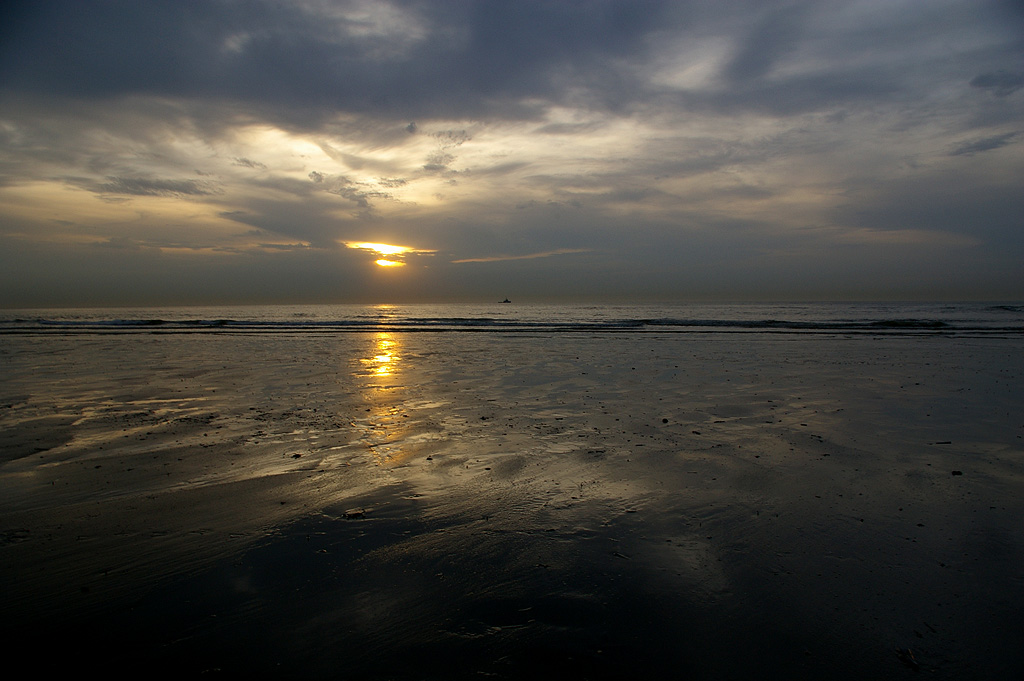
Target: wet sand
(465, 505)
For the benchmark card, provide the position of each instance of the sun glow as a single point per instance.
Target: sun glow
(383, 249)
(396, 252)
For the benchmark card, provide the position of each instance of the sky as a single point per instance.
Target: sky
(317, 151)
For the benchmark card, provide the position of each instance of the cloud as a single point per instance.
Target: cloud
(566, 128)
(284, 247)
(773, 36)
(302, 61)
(528, 256)
(984, 144)
(689, 146)
(141, 186)
(359, 193)
(999, 83)
(438, 162)
(299, 64)
(248, 163)
(906, 237)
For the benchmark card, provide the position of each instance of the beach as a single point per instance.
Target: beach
(528, 504)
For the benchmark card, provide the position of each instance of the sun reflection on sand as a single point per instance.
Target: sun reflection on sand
(384, 429)
(385, 358)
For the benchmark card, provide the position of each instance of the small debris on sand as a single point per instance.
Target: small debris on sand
(906, 656)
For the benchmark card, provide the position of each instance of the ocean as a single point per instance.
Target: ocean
(875, 318)
(515, 491)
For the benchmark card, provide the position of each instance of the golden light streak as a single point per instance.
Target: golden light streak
(385, 356)
(383, 249)
(386, 250)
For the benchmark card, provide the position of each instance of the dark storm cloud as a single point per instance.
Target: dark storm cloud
(299, 63)
(302, 61)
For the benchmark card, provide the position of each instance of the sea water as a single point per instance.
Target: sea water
(949, 318)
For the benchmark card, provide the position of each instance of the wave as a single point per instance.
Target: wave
(399, 323)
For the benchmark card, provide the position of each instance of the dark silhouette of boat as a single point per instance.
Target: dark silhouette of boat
(506, 301)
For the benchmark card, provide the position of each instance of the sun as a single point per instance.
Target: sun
(392, 254)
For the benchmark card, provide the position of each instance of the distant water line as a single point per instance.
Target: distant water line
(812, 318)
